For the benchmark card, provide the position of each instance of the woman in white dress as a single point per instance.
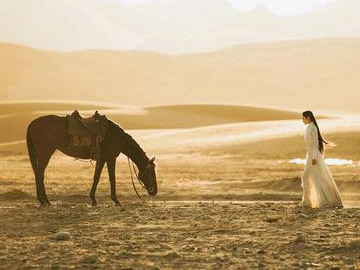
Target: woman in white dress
(319, 187)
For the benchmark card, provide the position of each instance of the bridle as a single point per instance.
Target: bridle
(138, 178)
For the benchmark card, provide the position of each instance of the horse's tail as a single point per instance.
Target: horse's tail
(31, 150)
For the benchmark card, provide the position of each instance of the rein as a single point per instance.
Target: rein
(132, 180)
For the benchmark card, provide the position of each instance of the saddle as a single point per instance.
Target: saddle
(87, 134)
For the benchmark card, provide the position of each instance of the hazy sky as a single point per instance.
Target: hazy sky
(279, 7)
(172, 26)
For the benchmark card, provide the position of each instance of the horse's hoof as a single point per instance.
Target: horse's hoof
(93, 204)
(118, 204)
(116, 201)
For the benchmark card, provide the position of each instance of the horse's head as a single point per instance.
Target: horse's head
(148, 177)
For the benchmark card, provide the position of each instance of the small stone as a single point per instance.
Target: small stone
(261, 251)
(272, 219)
(62, 236)
(89, 259)
(42, 247)
(299, 238)
(247, 251)
(172, 255)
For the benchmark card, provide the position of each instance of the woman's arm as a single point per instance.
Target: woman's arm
(314, 141)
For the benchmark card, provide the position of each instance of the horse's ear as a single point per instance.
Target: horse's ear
(152, 160)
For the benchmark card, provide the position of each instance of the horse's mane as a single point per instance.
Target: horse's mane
(128, 139)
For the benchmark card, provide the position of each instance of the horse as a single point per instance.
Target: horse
(49, 133)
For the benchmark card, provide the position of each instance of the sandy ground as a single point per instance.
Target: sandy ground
(178, 236)
(212, 212)
(227, 200)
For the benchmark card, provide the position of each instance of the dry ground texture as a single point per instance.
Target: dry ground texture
(223, 203)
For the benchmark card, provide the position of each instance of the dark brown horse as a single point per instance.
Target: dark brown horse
(49, 133)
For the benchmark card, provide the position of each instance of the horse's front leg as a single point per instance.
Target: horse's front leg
(111, 165)
(98, 169)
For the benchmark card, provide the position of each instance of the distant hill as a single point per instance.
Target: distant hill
(316, 74)
(171, 26)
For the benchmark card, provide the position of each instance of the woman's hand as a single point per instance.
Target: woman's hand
(314, 162)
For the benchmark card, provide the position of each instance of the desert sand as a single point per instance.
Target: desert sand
(227, 199)
(178, 236)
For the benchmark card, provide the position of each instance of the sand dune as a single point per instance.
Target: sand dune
(248, 156)
(297, 74)
(30, 106)
(348, 147)
(252, 140)
(17, 115)
(224, 138)
(209, 129)
(189, 116)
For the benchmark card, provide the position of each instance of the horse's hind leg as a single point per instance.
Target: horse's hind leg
(111, 165)
(98, 169)
(40, 186)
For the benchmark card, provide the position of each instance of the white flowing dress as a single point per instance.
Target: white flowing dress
(319, 187)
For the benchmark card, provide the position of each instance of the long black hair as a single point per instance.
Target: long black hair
(321, 139)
